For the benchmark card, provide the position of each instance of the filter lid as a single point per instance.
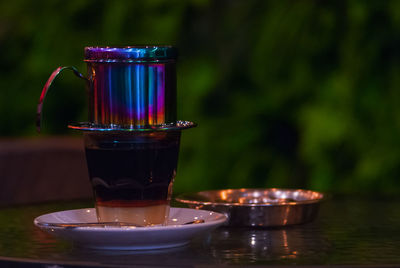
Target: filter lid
(150, 53)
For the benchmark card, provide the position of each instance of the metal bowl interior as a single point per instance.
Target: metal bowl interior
(252, 197)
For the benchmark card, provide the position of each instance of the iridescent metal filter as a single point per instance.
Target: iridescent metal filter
(132, 86)
(129, 88)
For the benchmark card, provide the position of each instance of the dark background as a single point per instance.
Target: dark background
(298, 94)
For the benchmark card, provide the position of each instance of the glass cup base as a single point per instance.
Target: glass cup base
(142, 216)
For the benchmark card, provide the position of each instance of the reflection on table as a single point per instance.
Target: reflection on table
(345, 233)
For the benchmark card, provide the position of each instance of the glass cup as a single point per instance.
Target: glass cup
(132, 174)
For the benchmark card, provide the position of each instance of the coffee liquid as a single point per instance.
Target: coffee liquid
(132, 176)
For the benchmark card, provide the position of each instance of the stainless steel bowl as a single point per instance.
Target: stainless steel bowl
(258, 207)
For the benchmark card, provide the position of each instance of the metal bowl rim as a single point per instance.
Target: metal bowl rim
(183, 199)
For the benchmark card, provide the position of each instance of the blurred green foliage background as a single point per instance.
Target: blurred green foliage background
(286, 93)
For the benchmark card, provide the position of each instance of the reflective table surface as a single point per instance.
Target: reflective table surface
(348, 231)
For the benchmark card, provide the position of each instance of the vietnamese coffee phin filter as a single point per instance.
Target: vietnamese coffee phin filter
(132, 135)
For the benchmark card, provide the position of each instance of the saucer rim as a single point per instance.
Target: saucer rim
(219, 221)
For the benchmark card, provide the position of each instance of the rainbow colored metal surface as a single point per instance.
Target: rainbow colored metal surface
(133, 87)
(129, 88)
(131, 54)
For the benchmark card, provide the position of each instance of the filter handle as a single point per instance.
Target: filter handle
(46, 87)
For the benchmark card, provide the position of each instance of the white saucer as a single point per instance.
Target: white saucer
(173, 234)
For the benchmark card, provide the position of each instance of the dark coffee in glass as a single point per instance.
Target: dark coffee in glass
(132, 174)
